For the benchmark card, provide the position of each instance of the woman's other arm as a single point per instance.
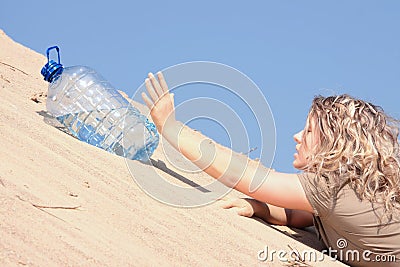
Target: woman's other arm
(272, 214)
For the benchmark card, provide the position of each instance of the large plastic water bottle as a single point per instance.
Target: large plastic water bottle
(94, 112)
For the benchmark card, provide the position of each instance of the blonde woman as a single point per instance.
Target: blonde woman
(349, 187)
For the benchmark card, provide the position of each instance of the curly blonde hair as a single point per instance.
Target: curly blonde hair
(358, 146)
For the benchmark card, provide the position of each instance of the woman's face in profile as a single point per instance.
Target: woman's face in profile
(306, 141)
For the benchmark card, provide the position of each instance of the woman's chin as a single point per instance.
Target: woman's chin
(298, 165)
(295, 166)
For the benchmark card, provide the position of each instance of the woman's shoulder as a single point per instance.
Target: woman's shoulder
(317, 192)
(339, 201)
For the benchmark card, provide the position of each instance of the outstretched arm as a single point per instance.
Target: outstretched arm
(231, 168)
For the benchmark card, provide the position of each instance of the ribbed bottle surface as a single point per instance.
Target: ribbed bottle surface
(94, 112)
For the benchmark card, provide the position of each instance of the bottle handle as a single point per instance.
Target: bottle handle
(58, 53)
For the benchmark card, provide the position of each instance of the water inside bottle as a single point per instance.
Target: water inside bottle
(123, 132)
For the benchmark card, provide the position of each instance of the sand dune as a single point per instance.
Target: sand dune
(66, 203)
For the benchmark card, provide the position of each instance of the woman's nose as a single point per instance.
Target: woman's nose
(298, 137)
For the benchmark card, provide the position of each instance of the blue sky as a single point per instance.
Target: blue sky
(292, 50)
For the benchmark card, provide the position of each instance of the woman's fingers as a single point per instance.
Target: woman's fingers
(229, 204)
(156, 85)
(162, 81)
(147, 100)
(244, 212)
(150, 90)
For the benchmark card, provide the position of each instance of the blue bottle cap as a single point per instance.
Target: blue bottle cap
(52, 68)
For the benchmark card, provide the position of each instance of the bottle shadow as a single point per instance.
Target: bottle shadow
(52, 121)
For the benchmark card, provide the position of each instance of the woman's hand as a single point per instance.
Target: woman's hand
(246, 206)
(160, 103)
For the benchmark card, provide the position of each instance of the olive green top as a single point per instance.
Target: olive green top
(352, 229)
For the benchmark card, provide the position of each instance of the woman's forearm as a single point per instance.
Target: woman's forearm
(281, 216)
(231, 168)
(270, 213)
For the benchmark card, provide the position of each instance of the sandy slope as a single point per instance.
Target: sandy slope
(66, 203)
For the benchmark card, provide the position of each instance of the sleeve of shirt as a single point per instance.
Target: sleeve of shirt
(317, 194)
